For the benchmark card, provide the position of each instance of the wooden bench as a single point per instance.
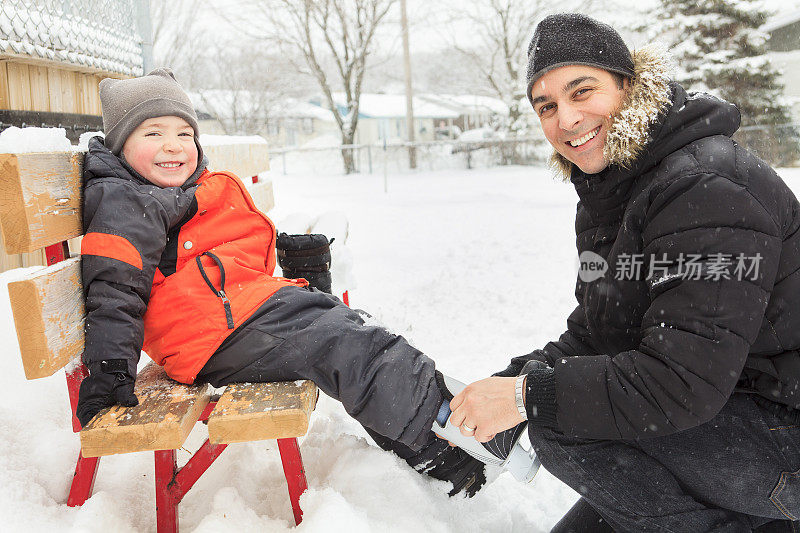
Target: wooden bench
(40, 204)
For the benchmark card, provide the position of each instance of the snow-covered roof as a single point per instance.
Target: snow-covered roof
(469, 103)
(216, 102)
(394, 106)
(84, 33)
(298, 109)
(779, 20)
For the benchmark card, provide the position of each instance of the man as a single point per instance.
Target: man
(670, 401)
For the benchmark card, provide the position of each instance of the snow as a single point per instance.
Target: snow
(472, 267)
(16, 140)
(477, 135)
(469, 103)
(394, 106)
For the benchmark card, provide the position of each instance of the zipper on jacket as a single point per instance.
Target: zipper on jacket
(221, 292)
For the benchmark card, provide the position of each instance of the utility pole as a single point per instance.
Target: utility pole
(412, 153)
(145, 28)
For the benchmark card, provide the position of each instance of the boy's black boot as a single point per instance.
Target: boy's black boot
(306, 256)
(441, 461)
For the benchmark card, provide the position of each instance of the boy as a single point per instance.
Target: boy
(178, 261)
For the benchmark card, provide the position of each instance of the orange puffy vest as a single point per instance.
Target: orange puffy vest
(186, 320)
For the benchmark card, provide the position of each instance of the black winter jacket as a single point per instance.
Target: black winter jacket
(118, 201)
(714, 305)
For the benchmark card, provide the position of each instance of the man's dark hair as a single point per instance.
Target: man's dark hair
(619, 78)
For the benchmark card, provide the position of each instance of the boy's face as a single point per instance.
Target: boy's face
(162, 150)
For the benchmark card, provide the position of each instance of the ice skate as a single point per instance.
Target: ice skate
(504, 450)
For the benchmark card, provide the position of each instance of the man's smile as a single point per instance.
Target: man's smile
(580, 141)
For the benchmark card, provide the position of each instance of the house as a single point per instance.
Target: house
(288, 122)
(298, 123)
(784, 45)
(475, 111)
(382, 117)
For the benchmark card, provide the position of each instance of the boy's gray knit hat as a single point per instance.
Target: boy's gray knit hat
(128, 103)
(575, 39)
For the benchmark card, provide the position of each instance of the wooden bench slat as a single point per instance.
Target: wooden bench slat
(166, 413)
(243, 159)
(258, 411)
(49, 316)
(40, 199)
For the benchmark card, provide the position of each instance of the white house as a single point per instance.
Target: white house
(784, 45)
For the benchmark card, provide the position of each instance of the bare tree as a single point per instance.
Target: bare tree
(176, 35)
(332, 40)
(504, 29)
(240, 82)
(245, 87)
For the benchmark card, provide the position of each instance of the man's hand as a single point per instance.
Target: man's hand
(109, 383)
(488, 405)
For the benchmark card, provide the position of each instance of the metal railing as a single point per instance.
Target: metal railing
(778, 145)
(393, 157)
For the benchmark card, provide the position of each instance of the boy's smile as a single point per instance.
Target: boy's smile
(162, 150)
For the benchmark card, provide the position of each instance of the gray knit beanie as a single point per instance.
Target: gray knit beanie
(575, 39)
(128, 103)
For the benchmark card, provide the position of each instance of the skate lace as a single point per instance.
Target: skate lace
(500, 446)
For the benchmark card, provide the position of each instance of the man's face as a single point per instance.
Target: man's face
(162, 150)
(575, 104)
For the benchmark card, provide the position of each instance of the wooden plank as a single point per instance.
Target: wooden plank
(69, 94)
(49, 315)
(166, 413)
(4, 101)
(9, 261)
(243, 159)
(263, 196)
(54, 87)
(40, 100)
(36, 60)
(19, 87)
(40, 199)
(258, 411)
(94, 94)
(84, 100)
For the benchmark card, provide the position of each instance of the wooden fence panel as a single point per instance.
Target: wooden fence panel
(19, 83)
(4, 103)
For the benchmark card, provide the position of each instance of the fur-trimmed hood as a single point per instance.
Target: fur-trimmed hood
(649, 95)
(657, 119)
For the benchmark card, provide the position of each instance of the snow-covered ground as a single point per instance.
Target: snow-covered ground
(472, 266)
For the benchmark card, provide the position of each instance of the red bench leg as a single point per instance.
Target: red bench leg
(166, 504)
(83, 480)
(295, 474)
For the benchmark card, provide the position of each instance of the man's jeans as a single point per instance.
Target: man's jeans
(734, 473)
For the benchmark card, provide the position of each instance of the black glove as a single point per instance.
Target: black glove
(109, 383)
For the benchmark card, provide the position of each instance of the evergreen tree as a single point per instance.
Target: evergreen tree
(719, 49)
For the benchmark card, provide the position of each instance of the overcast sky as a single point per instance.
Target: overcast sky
(435, 23)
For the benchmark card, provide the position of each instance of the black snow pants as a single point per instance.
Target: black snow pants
(382, 381)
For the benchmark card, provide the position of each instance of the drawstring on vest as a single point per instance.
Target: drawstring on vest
(221, 292)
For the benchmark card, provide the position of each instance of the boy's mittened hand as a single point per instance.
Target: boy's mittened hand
(109, 383)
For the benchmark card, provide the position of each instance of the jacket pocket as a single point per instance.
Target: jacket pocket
(786, 494)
